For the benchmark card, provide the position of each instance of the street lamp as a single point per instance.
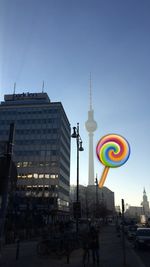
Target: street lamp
(96, 183)
(79, 148)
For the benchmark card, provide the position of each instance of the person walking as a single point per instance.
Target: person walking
(85, 246)
(94, 245)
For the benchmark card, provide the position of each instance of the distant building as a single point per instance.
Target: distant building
(134, 212)
(145, 204)
(88, 196)
(137, 212)
(41, 147)
(117, 208)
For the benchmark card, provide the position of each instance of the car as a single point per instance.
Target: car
(131, 232)
(142, 237)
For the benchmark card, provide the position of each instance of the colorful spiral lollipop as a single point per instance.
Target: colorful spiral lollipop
(112, 150)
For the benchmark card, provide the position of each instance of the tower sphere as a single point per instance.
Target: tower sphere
(91, 126)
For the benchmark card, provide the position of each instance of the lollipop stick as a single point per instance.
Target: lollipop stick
(103, 177)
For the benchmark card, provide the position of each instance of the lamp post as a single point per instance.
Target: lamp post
(79, 148)
(96, 183)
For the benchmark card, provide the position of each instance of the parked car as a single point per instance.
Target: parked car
(131, 232)
(142, 237)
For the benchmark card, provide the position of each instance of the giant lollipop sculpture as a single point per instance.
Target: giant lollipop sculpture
(112, 150)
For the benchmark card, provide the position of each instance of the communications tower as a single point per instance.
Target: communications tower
(91, 126)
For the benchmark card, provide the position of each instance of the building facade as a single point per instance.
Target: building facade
(134, 212)
(92, 198)
(139, 212)
(41, 147)
(145, 204)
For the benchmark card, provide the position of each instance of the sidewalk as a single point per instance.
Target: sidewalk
(111, 250)
(111, 254)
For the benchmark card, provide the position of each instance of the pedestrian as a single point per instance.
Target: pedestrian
(94, 245)
(85, 246)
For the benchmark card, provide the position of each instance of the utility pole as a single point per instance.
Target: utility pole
(123, 235)
(6, 182)
(96, 183)
(77, 204)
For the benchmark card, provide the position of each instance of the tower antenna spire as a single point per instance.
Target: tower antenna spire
(90, 92)
(14, 88)
(43, 87)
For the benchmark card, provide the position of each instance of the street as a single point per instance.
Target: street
(144, 254)
(111, 254)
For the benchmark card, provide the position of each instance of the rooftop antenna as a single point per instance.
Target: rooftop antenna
(14, 88)
(90, 92)
(43, 87)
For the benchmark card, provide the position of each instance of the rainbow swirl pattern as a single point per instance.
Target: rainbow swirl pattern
(113, 150)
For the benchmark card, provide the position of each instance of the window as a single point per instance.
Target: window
(25, 164)
(53, 176)
(46, 175)
(29, 176)
(19, 164)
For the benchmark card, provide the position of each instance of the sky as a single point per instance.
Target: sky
(61, 42)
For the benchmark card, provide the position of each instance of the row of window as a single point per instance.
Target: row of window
(30, 131)
(36, 176)
(43, 153)
(67, 172)
(66, 160)
(63, 191)
(66, 148)
(66, 138)
(35, 193)
(62, 202)
(65, 129)
(27, 153)
(39, 192)
(36, 142)
(64, 180)
(31, 121)
(36, 164)
(39, 186)
(29, 111)
(45, 142)
(36, 131)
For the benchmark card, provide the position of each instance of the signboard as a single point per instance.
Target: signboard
(26, 96)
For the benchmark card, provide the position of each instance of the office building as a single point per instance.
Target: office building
(41, 148)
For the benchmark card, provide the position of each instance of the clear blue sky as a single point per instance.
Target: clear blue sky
(61, 42)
